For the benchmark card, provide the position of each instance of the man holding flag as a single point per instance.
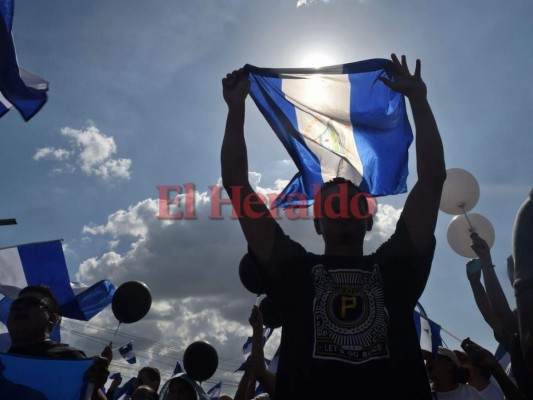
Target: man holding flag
(348, 329)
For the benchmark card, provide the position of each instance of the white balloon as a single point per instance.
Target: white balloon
(459, 231)
(460, 192)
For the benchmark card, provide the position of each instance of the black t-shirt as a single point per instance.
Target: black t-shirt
(348, 330)
(49, 349)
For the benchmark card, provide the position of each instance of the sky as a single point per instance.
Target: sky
(135, 103)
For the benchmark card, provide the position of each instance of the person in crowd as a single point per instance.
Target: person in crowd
(182, 387)
(479, 376)
(447, 376)
(255, 367)
(485, 361)
(347, 318)
(147, 376)
(144, 392)
(495, 309)
(32, 316)
(523, 278)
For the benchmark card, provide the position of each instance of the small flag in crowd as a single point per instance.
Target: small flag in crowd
(336, 121)
(19, 88)
(127, 353)
(428, 331)
(247, 346)
(125, 391)
(177, 369)
(214, 392)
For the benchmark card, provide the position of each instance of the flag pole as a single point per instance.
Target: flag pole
(441, 328)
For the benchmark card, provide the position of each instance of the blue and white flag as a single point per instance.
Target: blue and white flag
(43, 379)
(18, 88)
(428, 331)
(177, 369)
(125, 391)
(44, 264)
(247, 346)
(338, 121)
(127, 353)
(214, 392)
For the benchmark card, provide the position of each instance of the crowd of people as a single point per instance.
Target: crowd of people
(347, 325)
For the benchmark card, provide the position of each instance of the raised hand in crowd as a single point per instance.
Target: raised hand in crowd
(481, 357)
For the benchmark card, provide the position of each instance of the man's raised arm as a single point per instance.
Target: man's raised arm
(256, 222)
(422, 205)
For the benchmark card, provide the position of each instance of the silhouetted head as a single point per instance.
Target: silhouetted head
(342, 211)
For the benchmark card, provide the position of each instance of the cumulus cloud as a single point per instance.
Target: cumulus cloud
(51, 152)
(93, 152)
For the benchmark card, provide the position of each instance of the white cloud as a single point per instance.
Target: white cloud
(93, 152)
(51, 152)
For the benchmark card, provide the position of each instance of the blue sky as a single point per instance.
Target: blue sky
(135, 102)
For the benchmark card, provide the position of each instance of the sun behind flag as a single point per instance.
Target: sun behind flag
(336, 121)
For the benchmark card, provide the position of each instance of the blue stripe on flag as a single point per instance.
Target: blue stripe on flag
(26, 97)
(372, 151)
(43, 379)
(44, 264)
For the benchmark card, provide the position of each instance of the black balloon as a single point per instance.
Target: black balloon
(271, 315)
(249, 276)
(200, 361)
(131, 302)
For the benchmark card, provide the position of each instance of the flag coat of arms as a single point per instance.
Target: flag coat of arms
(338, 121)
(427, 330)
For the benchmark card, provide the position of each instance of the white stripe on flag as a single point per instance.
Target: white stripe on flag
(12, 276)
(324, 121)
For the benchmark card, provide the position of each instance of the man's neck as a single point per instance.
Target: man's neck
(345, 250)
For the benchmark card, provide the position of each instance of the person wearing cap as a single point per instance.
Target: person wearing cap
(348, 329)
(447, 376)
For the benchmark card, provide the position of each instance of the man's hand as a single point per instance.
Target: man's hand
(409, 85)
(107, 353)
(97, 373)
(481, 248)
(256, 319)
(235, 87)
(115, 383)
(473, 270)
(479, 355)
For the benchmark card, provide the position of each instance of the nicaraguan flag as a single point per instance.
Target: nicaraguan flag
(18, 88)
(44, 264)
(428, 331)
(43, 379)
(247, 346)
(127, 353)
(214, 392)
(125, 391)
(177, 369)
(336, 121)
